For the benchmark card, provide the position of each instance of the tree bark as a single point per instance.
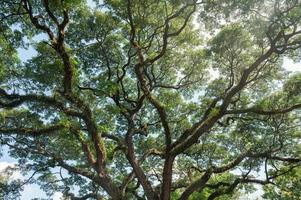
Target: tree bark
(167, 177)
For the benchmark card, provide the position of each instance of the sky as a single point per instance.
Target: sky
(33, 191)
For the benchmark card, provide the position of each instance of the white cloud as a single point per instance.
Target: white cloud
(32, 191)
(57, 196)
(291, 66)
(91, 3)
(4, 165)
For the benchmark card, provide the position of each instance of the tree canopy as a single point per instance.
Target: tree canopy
(152, 99)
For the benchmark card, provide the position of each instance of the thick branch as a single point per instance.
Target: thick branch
(264, 112)
(150, 194)
(196, 185)
(31, 131)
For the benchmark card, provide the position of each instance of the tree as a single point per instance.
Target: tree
(288, 186)
(120, 101)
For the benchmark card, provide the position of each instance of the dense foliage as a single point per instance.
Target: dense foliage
(152, 99)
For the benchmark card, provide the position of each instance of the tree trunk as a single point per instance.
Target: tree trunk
(167, 177)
